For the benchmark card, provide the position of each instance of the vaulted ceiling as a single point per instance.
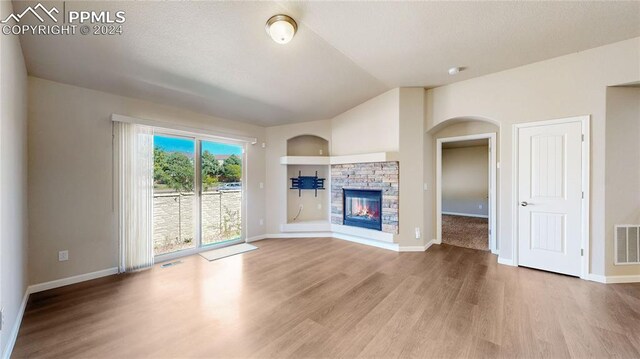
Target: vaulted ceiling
(215, 57)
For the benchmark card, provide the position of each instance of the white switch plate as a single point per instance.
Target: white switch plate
(418, 233)
(63, 256)
(426, 187)
(262, 222)
(261, 185)
(319, 205)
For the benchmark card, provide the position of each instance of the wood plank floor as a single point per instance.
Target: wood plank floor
(323, 297)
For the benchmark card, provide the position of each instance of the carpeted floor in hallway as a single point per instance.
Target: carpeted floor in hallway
(468, 232)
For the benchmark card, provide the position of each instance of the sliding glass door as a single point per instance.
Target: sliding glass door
(174, 197)
(196, 208)
(221, 195)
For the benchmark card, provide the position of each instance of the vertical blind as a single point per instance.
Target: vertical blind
(134, 145)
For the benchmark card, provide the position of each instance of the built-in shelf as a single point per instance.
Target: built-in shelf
(305, 160)
(337, 160)
(307, 226)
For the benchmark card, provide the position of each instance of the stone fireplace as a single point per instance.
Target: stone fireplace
(379, 177)
(362, 208)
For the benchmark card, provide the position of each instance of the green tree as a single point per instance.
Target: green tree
(159, 166)
(232, 169)
(173, 169)
(210, 165)
(179, 172)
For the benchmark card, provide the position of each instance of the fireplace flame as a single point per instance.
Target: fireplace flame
(361, 208)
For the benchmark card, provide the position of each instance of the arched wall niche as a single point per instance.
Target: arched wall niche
(307, 145)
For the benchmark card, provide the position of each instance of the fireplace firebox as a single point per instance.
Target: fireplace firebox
(362, 208)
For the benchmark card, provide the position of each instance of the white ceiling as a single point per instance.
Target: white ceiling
(215, 57)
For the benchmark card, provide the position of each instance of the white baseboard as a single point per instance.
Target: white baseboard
(370, 242)
(466, 214)
(623, 279)
(613, 278)
(507, 262)
(13, 336)
(596, 278)
(256, 238)
(299, 235)
(416, 248)
(436, 241)
(35, 288)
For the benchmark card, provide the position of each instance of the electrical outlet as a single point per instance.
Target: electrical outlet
(264, 145)
(261, 222)
(480, 206)
(425, 186)
(1, 318)
(301, 206)
(320, 152)
(63, 256)
(261, 185)
(418, 235)
(319, 206)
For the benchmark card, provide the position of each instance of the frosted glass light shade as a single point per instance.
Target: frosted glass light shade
(281, 28)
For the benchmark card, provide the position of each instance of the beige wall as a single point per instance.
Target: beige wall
(465, 180)
(562, 87)
(278, 195)
(411, 127)
(622, 177)
(13, 179)
(70, 167)
(372, 126)
(313, 208)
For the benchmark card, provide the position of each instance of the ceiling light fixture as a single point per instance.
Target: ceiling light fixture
(281, 28)
(455, 70)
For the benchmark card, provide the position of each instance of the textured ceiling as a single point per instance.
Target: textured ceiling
(215, 57)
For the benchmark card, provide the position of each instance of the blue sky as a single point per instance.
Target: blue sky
(187, 145)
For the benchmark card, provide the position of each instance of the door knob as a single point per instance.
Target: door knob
(524, 203)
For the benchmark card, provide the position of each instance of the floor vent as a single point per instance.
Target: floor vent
(170, 264)
(627, 244)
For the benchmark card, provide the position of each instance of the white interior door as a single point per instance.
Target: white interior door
(550, 197)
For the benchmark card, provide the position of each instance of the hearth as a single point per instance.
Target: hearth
(362, 208)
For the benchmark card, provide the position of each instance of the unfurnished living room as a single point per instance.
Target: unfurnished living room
(312, 179)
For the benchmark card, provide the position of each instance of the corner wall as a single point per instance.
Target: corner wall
(622, 178)
(13, 180)
(71, 174)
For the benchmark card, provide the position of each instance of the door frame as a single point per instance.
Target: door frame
(584, 120)
(198, 138)
(493, 185)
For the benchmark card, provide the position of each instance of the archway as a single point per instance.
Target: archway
(457, 135)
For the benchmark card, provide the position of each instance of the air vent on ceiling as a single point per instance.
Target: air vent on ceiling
(627, 244)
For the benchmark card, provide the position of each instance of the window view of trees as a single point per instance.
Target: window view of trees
(214, 172)
(174, 170)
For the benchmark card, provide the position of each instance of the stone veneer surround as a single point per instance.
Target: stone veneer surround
(382, 176)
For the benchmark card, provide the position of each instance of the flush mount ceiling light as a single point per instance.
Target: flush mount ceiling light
(455, 70)
(281, 28)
